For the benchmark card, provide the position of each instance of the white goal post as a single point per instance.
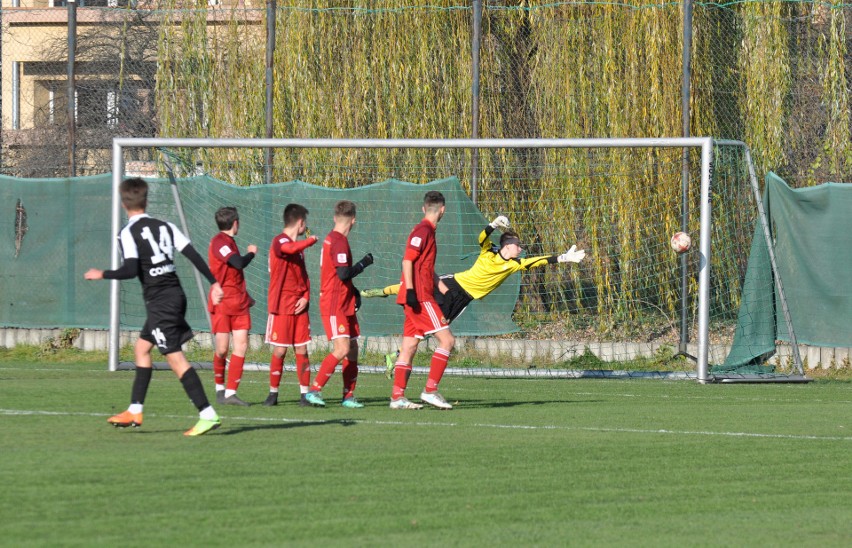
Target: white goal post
(703, 144)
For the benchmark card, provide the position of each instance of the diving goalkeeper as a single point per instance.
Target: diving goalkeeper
(454, 292)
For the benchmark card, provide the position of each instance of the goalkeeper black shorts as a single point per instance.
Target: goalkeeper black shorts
(454, 301)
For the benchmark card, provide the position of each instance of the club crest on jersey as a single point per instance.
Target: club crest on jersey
(341, 329)
(444, 321)
(416, 241)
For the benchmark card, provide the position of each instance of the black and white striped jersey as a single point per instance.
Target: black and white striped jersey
(153, 243)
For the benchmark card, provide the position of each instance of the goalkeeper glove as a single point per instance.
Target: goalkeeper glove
(571, 256)
(411, 299)
(499, 222)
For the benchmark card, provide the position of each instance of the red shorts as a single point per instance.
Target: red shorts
(429, 320)
(226, 323)
(288, 329)
(341, 326)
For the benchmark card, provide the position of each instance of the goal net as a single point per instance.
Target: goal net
(631, 307)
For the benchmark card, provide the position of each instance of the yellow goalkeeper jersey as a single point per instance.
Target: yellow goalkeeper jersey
(491, 269)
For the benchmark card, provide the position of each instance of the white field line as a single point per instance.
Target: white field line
(719, 395)
(661, 431)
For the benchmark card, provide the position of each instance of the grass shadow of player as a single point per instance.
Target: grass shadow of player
(490, 404)
(229, 431)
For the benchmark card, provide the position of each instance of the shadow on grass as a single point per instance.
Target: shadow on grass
(229, 431)
(482, 404)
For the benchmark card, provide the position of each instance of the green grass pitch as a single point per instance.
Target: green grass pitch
(516, 463)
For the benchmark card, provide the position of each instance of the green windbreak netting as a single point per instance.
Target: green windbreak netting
(68, 232)
(61, 229)
(810, 229)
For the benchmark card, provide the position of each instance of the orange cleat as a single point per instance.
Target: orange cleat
(125, 419)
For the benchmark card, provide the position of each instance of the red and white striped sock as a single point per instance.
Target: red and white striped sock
(436, 369)
(350, 377)
(325, 372)
(303, 371)
(276, 369)
(219, 363)
(401, 373)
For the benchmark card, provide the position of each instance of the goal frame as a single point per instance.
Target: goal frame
(703, 144)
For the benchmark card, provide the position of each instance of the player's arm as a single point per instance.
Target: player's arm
(292, 248)
(349, 272)
(197, 261)
(241, 261)
(129, 267)
(573, 255)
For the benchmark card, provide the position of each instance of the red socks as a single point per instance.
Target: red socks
(325, 372)
(303, 369)
(219, 370)
(401, 372)
(350, 378)
(276, 369)
(235, 372)
(436, 369)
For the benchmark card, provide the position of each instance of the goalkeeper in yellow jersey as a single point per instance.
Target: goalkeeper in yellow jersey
(454, 292)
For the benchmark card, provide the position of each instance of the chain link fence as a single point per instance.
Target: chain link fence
(774, 74)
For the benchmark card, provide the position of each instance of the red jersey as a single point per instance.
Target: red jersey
(421, 250)
(337, 298)
(236, 300)
(288, 277)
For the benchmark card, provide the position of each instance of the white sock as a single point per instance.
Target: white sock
(229, 393)
(208, 413)
(273, 390)
(220, 387)
(135, 408)
(304, 389)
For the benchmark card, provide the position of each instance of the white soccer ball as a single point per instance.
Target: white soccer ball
(681, 242)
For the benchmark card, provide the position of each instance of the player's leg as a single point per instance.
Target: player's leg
(133, 415)
(221, 344)
(235, 367)
(437, 366)
(275, 327)
(402, 370)
(340, 348)
(303, 373)
(350, 376)
(386, 291)
(301, 338)
(208, 418)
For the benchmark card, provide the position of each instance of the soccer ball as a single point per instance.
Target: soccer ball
(681, 242)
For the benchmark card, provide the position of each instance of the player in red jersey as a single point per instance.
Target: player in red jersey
(231, 316)
(339, 299)
(288, 298)
(423, 316)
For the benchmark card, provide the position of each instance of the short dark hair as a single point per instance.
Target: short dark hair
(293, 213)
(509, 237)
(345, 208)
(433, 200)
(225, 217)
(134, 193)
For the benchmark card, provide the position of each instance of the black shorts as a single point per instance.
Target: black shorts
(454, 301)
(166, 327)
